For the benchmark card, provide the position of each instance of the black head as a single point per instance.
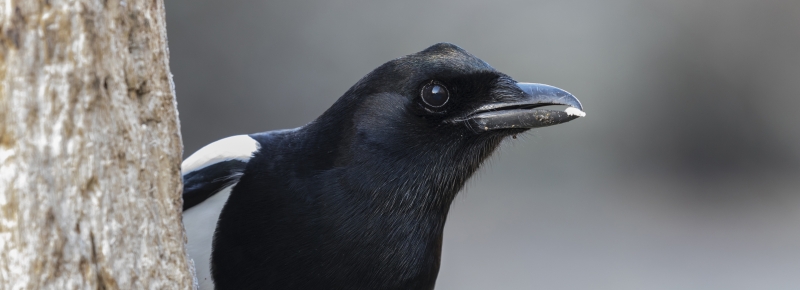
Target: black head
(435, 116)
(358, 198)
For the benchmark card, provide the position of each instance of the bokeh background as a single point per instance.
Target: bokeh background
(684, 175)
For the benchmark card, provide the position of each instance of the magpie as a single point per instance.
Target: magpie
(358, 198)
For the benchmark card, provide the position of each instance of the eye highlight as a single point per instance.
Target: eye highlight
(435, 94)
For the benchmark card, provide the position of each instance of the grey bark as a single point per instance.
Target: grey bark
(90, 148)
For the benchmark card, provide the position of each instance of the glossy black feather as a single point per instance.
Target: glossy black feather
(201, 184)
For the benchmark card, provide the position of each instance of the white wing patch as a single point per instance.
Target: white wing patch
(239, 147)
(200, 222)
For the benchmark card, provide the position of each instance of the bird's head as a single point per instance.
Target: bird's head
(435, 115)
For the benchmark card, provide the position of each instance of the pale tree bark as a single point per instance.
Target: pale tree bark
(90, 148)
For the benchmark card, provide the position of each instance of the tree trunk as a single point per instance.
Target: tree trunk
(90, 148)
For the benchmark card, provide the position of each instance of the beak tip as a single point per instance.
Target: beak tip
(572, 111)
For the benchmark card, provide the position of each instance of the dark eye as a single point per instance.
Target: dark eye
(435, 94)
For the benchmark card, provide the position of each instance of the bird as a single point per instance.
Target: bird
(358, 197)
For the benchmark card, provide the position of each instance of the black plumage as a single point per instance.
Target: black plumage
(202, 184)
(358, 198)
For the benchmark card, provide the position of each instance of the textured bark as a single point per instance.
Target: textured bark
(90, 148)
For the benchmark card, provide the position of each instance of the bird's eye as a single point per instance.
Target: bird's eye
(435, 94)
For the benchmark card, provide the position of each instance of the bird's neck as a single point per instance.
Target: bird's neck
(384, 203)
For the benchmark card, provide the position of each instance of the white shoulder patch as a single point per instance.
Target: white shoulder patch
(239, 147)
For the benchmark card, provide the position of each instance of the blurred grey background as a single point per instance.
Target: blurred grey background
(684, 175)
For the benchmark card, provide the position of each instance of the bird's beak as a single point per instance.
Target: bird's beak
(525, 113)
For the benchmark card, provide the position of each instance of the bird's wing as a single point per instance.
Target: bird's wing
(215, 167)
(208, 177)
